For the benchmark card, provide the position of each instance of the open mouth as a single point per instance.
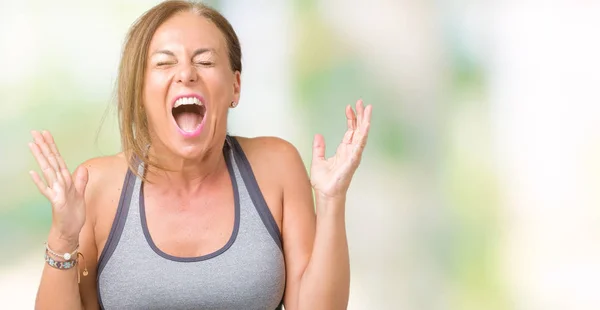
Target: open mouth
(188, 113)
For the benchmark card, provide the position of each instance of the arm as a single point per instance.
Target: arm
(316, 250)
(70, 226)
(326, 280)
(58, 288)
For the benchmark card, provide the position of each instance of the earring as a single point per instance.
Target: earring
(233, 104)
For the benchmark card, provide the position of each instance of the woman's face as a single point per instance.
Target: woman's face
(189, 85)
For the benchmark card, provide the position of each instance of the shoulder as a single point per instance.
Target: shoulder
(270, 150)
(103, 165)
(104, 169)
(277, 162)
(105, 178)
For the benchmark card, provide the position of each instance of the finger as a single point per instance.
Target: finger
(366, 119)
(363, 121)
(364, 135)
(50, 141)
(348, 136)
(351, 117)
(318, 148)
(81, 179)
(47, 170)
(367, 113)
(62, 166)
(50, 157)
(42, 187)
(66, 177)
(360, 108)
(363, 132)
(39, 140)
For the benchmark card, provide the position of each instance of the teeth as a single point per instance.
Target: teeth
(187, 101)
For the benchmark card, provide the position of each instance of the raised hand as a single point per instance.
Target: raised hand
(330, 177)
(65, 192)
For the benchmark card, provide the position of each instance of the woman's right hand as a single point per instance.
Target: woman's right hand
(64, 191)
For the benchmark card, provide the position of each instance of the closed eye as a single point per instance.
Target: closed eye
(161, 64)
(205, 63)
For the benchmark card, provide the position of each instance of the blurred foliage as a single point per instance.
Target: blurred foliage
(470, 187)
(73, 119)
(329, 77)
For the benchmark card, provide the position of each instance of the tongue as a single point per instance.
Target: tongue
(188, 121)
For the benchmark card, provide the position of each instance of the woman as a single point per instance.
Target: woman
(188, 217)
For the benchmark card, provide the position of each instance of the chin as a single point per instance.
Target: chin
(193, 145)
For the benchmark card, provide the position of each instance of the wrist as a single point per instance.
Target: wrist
(327, 199)
(330, 205)
(62, 243)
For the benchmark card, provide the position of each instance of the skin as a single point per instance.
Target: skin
(84, 203)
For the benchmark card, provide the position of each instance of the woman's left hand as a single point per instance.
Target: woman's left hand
(330, 177)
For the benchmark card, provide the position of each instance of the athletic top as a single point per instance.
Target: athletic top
(248, 272)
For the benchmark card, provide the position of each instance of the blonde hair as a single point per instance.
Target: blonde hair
(133, 124)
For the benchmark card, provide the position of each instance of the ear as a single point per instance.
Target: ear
(237, 85)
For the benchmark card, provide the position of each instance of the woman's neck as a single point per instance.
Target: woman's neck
(185, 174)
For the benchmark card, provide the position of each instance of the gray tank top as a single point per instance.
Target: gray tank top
(247, 273)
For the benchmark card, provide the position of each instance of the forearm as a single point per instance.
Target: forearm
(59, 288)
(325, 283)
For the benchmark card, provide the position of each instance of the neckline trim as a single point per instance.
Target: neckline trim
(236, 222)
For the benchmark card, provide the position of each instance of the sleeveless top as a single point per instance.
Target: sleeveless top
(248, 272)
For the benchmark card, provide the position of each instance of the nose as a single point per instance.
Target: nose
(187, 74)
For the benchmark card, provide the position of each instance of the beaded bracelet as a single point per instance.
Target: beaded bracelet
(66, 265)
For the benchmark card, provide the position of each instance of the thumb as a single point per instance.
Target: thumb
(318, 148)
(81, 179)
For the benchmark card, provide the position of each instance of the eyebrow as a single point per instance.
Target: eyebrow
(201, 51)
(197, 52)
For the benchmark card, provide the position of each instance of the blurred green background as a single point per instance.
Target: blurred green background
(479, 186)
